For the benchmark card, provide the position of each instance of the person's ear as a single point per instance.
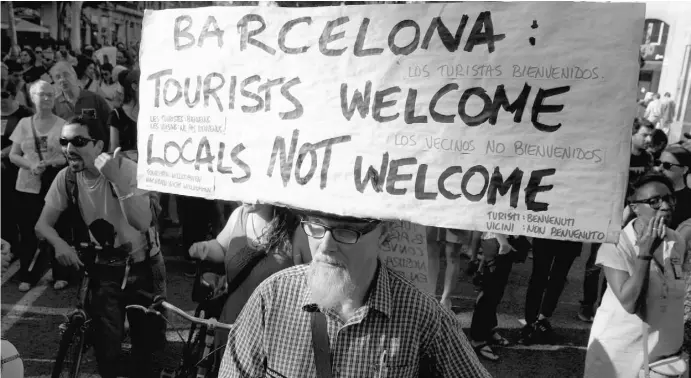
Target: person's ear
(634, 208)
(99, 146)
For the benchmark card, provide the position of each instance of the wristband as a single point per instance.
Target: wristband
(126, 196)
(646, 258)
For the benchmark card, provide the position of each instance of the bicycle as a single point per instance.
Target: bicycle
(76, 331)
(195, 361)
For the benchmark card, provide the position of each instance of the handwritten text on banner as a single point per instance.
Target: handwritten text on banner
(508, 117)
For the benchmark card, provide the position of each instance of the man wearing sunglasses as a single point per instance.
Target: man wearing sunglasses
(345, 314)
(103, 195)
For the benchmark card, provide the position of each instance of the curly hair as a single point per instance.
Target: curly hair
(279, 231)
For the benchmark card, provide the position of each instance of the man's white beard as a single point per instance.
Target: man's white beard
(330, 285)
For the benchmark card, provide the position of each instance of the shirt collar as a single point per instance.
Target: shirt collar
(378, 298)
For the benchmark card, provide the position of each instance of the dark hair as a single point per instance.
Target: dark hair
(92, 125)
(11, 88)
(82, 65)
(13, 66)
(129, 93)
(646, 178)
(659, 138)
(32, 56)
(680, 153)
(281, 228)
(641, 122)
(107, 67)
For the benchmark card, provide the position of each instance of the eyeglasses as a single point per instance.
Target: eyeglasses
(341, 235)
(78, 141)
(656, 202)
(666, 165)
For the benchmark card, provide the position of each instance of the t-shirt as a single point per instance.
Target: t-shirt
(112, 94)
(127, 129)
(88, 105)
(49, 143)
(10, 121)
(101, 210)
(682, 210)
(638, 165)
(615, 346)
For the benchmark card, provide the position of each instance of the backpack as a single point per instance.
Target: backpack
(80, 231)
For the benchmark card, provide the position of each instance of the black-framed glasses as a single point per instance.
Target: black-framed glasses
(78, 141)
(341, 235)
(656, 202)
(666, 165)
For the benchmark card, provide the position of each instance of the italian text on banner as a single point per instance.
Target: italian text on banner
(504, 117)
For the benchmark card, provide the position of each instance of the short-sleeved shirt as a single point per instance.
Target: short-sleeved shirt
(49, 142)
(101, 210)
(89, 105)
(112, 93)
(273, 336)
(615, 346)
(127, 128)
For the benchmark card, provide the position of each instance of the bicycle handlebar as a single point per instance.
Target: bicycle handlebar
(160, 301)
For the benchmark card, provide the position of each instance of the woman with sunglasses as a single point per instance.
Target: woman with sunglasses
(35, 148)
(266, 238)
(675, 163)
(645, 287)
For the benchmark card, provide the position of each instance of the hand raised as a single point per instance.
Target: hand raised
(108, 165)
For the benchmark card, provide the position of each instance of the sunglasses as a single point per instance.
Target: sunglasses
(656, 202)
(78, 141)
(666, 165)
(5, 95)
(341, 235)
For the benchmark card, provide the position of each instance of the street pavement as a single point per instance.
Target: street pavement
(30, 320)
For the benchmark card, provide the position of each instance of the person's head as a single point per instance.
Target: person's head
(27, 57)
(642, 133)
(120, 46)
(107, 73)
(658, 142)
(48, 55)
(120, 58)
(64, 76)
(62, 47)
(8, 97)
(668, 95)
(130, 86)
(86, 68)
(344, 252)
(675, 163)
(38, 51)
(652, 195)
(656, 96)
(82, 141)
(42, 95)
(14, 70)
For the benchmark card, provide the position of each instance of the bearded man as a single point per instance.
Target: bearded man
(345, 315)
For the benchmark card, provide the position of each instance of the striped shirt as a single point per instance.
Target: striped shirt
(273, 336)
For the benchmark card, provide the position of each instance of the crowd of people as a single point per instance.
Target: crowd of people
(69, 152)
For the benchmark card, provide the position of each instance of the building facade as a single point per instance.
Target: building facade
(666, 50)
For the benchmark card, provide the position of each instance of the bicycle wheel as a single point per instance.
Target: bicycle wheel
(70, 353)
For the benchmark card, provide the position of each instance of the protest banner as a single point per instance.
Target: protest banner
(503, 117)
(405, 251)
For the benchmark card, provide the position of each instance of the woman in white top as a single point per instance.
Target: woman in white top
(645, 287)
(23, 154)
